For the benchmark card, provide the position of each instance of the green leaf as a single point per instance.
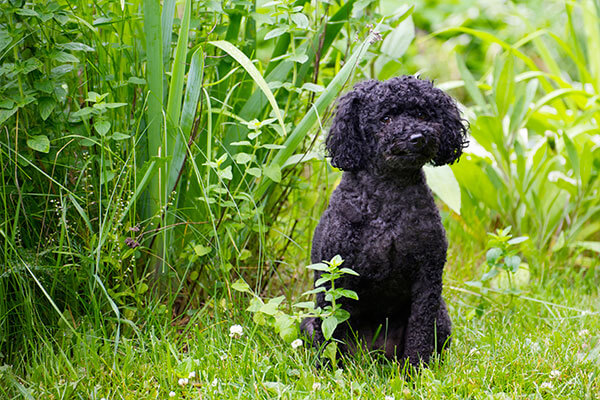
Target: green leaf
(102, 127)
(273, 172)
(490, 274)
(300, 20)
(513, 262)
(518, 240)
(75, 46)
(444, 184)
(64, 57)
(241, 286)
(243, 158)
(254, 74)
(39, 143)
(314, 291)
(493, 255)
(226, 173)
(328, 326)
(254, 172)
(470, 83)
(286, 327)
(321, 281)
(310, 305)
(46, 106)
(272, 305)
(120, 136)
(319, 267)
(349, 271)
(351, 294)
(201, 250)
(275, 33)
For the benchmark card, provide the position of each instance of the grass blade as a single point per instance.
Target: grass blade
(245, 62)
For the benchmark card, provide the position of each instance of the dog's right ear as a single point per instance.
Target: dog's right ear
(345, 142)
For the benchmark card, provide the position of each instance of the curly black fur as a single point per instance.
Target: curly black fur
(382, 218)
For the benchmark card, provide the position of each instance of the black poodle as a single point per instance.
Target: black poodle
(382, 219)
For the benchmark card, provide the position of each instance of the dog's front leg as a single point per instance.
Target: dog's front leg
(426, 296)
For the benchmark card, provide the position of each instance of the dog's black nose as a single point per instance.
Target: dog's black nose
(416, 139)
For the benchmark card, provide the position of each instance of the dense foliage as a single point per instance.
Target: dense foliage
(153, 154)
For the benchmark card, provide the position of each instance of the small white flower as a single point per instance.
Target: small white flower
(316, 386)
(171, 394)
(297, 343)
(236, 331)
(183, 381)
(534, 346)
(554, 374)
(547, 385)
(389, 398)
(583, 332)
(215, 382)
(192, 375)
(223, 357)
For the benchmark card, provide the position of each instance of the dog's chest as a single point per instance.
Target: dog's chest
(397, 235)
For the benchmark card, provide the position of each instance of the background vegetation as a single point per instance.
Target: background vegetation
(156, 156)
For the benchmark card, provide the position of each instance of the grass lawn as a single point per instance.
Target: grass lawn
(504, 349)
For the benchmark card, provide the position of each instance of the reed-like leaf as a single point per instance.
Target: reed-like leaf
(245, 62)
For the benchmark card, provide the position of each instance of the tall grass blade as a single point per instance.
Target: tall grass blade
(188, 113)
(245, 62)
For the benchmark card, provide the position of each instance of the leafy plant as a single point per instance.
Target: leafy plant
(533, 162)
(501, 256)
(287, 324)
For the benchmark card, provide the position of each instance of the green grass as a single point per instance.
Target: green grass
(522, 347)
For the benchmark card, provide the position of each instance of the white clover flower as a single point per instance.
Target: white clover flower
(316, 386)
(554, 374)
(297, 343)
(171, 394)
(389, 398)
(546, 385)
(236, 331)
(192, 375)
(534, 346)
(183, 381)
(583, 332)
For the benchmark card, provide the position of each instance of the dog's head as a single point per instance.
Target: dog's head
(402, 123)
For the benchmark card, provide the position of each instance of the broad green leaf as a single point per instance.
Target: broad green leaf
(39, 143)
(272, 172)
(349, 271)
(275, 33)
(444, 184)
(201, 250)
(513, 262)
(241, 286)
(272, 305)
(518, 239)
(102, 126)
(75, 46)
(493, 255)
(319, 267)
(328, 326)
(46, 106)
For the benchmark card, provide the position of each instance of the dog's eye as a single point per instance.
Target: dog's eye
(421, 115)
(386, 120)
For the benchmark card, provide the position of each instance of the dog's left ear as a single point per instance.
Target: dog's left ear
(453, 139)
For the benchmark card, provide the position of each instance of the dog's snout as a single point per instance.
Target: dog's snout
(416, 139)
